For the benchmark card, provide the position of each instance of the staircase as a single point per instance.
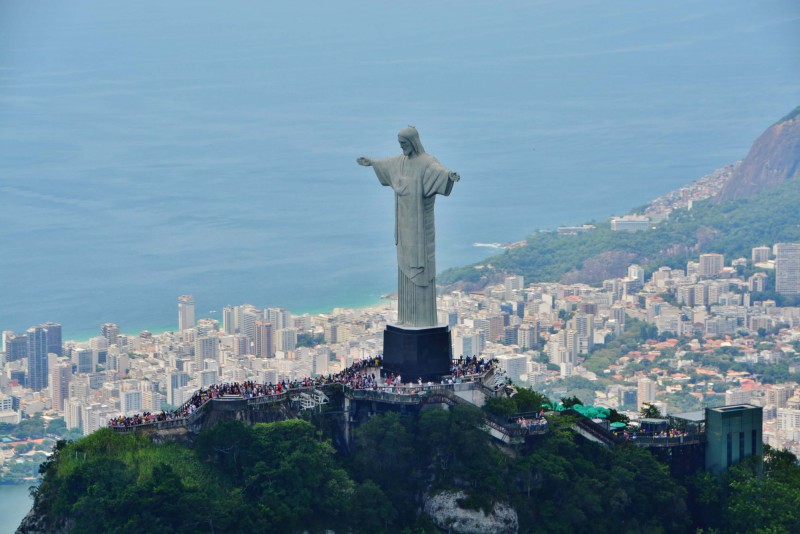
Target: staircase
(494, 381)
(311, 399)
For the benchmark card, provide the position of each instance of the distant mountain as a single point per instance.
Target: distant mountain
(763, 212)
(731, 228)
(773, 159)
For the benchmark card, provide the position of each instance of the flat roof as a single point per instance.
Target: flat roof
(734, 408)
(693, 417)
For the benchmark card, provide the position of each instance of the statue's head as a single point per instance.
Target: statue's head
(409, 141)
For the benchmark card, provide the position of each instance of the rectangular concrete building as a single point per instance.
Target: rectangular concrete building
(732, 434)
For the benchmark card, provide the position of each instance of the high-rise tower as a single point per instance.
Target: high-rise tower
(37, 358)
(264, 339)
(176, 381)
(110, 331)
(787, 268)
(229, 325)
(53, 338)
(711, 264)
(185, 312)
(760, 254)
(205, 348)
(646, 392)
(60, 378)
(16, 347)
(248, 315)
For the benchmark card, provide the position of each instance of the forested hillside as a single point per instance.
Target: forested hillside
(286, 477)
(731, 228)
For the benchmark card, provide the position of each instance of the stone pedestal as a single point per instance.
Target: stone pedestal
(417, 352)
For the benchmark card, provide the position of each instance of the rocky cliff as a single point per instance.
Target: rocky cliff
(773, 159)
(447, 514)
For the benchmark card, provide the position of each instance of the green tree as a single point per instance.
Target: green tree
(500, 407)
(569, 402)
(383, 451)
(615, 417)
(57, 427)
(528, 400)
(650, 411)
(31, 427)
(22, 448)
(473, 464)
(373, 510)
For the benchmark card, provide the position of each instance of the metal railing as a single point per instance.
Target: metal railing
(384, 395)
(310, 396)
(665, 441)
(516, 430)
(157, 425)
(274, 398)
(597, 431)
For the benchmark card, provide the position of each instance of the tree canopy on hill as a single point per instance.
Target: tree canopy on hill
(731, 228)
(287, 477)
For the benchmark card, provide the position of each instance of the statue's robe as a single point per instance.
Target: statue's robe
(416, 181)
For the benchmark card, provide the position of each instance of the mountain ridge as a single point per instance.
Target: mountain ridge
(773, 159)
(755, 216)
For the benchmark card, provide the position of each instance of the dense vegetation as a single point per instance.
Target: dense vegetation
(751, 496)
(287, 477)
(37, 427)
(731, 228)
(31, 440)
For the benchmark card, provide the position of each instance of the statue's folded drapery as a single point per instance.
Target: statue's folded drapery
(416, 180)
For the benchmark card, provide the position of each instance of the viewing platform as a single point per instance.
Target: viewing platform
(426, 393)
(676, 431)
(464, 388)
(645, 440)
(304, 397)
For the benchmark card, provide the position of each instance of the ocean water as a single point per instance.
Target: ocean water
(153, 149)
(15, 503)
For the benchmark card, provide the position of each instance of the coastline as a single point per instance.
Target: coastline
(371, 304)
(707, 186)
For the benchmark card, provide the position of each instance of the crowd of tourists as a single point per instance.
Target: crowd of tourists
(462, 370)
(468, 368)
(247, 390)
(363, 375)
(537, 421)
(664, 434)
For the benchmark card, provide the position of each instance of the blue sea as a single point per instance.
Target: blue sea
(152, 149)
(15, 502)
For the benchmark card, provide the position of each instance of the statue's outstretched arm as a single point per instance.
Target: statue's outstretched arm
(366, 162)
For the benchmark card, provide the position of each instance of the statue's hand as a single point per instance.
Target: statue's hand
(366, 162)
(454, 176)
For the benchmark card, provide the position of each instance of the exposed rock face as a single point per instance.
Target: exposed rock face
(445, 512)
(36, 523)
(773, 159)
(489, 277)
(610, 264)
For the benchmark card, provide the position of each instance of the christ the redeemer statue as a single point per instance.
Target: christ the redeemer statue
(416, 178)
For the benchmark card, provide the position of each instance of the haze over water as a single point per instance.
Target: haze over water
(152, 149)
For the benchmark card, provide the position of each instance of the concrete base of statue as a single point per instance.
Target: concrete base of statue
(415, 353)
